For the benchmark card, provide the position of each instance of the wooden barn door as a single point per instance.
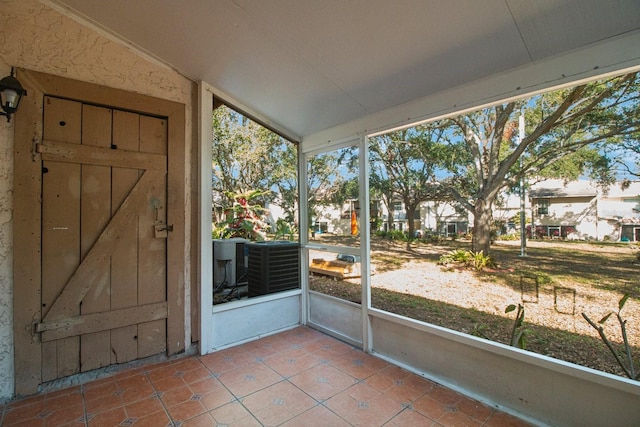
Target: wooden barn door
(99, 253)
(103, 237)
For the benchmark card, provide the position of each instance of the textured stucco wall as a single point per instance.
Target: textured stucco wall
(6, 258)
(35, 36)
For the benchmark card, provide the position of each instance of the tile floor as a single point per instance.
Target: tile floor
(299, 377)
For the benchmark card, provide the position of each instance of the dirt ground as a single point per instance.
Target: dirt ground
(573, 278)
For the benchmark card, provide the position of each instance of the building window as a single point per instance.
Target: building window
(543, 206)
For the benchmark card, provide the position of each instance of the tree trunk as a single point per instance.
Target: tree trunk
(411, 227)
(481, 240)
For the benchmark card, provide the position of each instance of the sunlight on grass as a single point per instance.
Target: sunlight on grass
(563, 283)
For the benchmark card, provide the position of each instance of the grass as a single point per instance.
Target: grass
(606, 266)
(560, 344)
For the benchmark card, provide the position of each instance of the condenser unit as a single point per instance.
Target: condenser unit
(274, 266)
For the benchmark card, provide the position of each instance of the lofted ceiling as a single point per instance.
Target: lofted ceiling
(309, 65)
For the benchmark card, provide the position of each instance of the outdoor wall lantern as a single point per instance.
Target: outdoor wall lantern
(11, 92)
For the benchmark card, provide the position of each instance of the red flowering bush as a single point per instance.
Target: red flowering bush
(245, 218)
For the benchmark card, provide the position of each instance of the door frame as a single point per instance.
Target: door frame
(27, 203)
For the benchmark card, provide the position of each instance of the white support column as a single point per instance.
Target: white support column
(303, 220)
(365, 241)
(204, 218)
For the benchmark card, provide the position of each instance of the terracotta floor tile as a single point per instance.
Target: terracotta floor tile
(21, 412)
(474, 409)
(186, 364)
(176, 396)
(301, 336)
(97, 383)
(369, 410)
(300, 377)
(409, 417)
(278, 344)
(97, 392)
(77, 423)
(217, 398)
(206, 385)
(358, 364)
(234, 414)
(398, 384)
(327, 347)
(429, 408)
(55, 401)
(33, 422)
(157, 419)
(109, 418)
(186, 410)
(204, 420)
(104, 403)
(126, 373)
(260, 350)
(278, 403)
(417, 382)
(500, 419)
(161, 371)
(65, 415)
(57, 393)
(291, 362)
(323, 381)
(458, 419)
(197, 374)
(144, 407)
(444, 395)
(26, 401)
(318, 416)
(249, 378)
(169, 383)
(225, 360)
(136, 388)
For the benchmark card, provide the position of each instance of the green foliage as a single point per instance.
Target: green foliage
(571, 132)
(285, 230)
(404, 166)
(476, 260)
(243, 218)
(518, 332)
(331, 179)
(480, 261)
(508, 237)
(478, 331)
(457, 256)
(246, 156)
(623, 356)
(393, 235)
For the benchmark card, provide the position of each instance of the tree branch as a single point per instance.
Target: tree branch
(600, 330)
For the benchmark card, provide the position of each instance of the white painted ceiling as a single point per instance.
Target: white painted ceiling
(308, 65)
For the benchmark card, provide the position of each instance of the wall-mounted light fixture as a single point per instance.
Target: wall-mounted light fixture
(11, 93)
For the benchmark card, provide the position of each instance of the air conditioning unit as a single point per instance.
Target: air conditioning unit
(229, 267)
(274, 266)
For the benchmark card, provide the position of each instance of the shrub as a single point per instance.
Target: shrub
(476, 260)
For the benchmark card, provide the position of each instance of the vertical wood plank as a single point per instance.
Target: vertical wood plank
(176, 248)
(124, 261)
(27, 272)
(60, 229)
(95, 212)
(152, 269)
